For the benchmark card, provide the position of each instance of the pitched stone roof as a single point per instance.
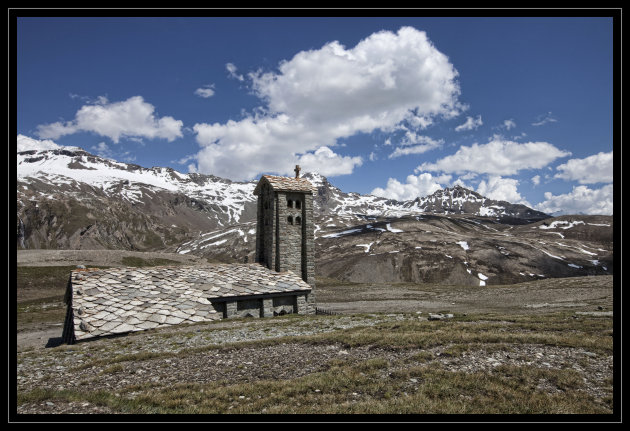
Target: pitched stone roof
(120, 300)
(285, 184)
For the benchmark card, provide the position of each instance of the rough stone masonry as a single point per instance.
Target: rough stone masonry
(103, 302)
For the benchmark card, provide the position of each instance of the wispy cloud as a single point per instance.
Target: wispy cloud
(544, 119)
(470, 124)
(413, 143)
(101, 100)
(103, 150)
(206, 91)
(231, 68)
(509, 124)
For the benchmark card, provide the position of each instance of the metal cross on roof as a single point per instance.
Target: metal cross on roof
(297, 171)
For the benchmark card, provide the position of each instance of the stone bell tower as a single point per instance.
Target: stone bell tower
(285, 238)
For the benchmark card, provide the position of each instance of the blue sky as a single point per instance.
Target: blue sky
(515, 108)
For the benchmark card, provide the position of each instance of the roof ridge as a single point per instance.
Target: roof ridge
(280, 183)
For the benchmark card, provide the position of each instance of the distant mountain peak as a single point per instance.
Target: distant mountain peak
(461, 200)
(317, 180)
(457, 188)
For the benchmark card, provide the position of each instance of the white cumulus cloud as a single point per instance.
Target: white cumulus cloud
(322, 95)
(240, 150)
(25, 143)
(581, 200)
(597, 168)
(130, 118)
(501, 189)
(414, 186)
(325, 162)
(497, 157)
(373, 85)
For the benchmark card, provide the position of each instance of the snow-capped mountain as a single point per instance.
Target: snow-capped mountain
(459, 200)
(78, 176)
(456, 200)
(128, 181)
(71, 199)
(331, 200)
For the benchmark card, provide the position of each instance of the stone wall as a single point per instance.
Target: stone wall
(266, 306)
(308, 246)
(285, 238)
(290, 222)
(266, 228)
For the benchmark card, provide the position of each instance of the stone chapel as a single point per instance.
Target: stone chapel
(104, 302)
(285, 237)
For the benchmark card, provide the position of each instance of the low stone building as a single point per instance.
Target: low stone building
(102, 302)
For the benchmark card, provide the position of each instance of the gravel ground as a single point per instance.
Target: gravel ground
(74, 367)
(95, 257)
(168, 355)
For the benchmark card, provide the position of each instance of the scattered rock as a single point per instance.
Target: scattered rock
(595, 313)
(440, 316)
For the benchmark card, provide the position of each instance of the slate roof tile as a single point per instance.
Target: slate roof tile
(166, 295)
(286, 184)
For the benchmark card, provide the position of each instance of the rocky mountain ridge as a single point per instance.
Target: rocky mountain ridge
(459, 200)
(71, 199)
(455, 200)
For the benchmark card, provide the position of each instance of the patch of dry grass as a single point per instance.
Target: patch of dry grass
(417, 384)
(363, 388)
